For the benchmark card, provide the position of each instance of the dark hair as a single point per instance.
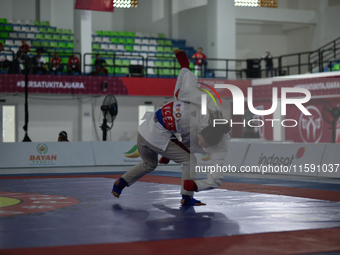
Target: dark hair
(63, 133)
(213, 135)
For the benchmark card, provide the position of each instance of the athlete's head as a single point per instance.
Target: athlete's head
(200, 49)
(211, 135)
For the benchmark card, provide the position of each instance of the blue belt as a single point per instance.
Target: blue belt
(159, 117)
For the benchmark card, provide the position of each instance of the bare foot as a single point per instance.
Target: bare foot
(196, 204)
(115, 193)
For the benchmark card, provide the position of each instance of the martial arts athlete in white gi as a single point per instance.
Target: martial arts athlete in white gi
(182, 116)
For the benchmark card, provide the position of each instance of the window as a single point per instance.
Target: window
(256, 3)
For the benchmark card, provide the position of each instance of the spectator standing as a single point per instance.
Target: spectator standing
(99, 65)
(269, 63)
(24, 48)
(56, 64)
(39, 64)
(200, 61)
(73, 64)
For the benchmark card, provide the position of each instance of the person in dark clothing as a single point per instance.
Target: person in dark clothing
(99, 65)
(269, 63)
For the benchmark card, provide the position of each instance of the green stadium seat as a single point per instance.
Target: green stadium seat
(71, 37)
(62, 45)
(45, 44)
(160, 48)
(59, 31)
(110, 70)
(8, 28)
(36, 23)
(45, 23)
(131, 34)
(159, 55)
(4, 35)
(39, 36)
(166, 64)
(109, 62)
(161, 35)
(70, 45)
(70, 51)
(125, 62)
(3, 21)
(130, 41)
(168, 49)
(123, 34)
(42, 30)
(158, 63)
(177, 71)
(59, 50)
(336, 67)
(107, 33)
(3, 42)
(36, 44)
(51, 30)
(2, 28)
(168, 43)
(65, 38)
(121, 41)
(99, 32)
(124, 70)
(115, 33)
(128, 48)
(64, 60)
(118, 62)
(56, 37)
(54, 44)
(161, 42)
(67, 31)
(48, 37)
(192, 66)
(114, 40)
(117, 70)
(96, 46)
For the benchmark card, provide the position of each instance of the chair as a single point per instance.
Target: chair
(62, 45)
(336, 67)
(121, 41)
(97, 39)
(96, 46)
(45, 44)
(13, 35)
(145, 41)
(51, 30)
(9, 28)
(153, 42)
(34, 29)
(3, 21)
(115, 33)
(39, 36)
(48, 37)
(25, 29)
(29, 22)
(161, 35)
(108, 33)
(114, 40)
(124, 70)
(104, 46)
(71, 38)
(106, 40)
(109, 62)
(160, 49)
(45, 23)
(112, 47)
(138, 41)
(131, 34)
(139, 34)
(30, 36)
(64, 38)
(154, 35)
(36, 44)
(54, 44)
(20, 21)
(123, 34)
(56, 37)
(4, 35)
(129, 48)
(36, 23)
(151, 71)
(70, 45)
(99, 32)
(130, 41)
(17, 42)
(161, 42)
(168, 43)
(59, 31)
(67, 31)
(120, 47)
(152, 48)
(125, 62)
(144, 48)
(42, 30)
(16, 28)
(136, 48)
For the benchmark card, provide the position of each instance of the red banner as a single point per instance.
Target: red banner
(95, 5)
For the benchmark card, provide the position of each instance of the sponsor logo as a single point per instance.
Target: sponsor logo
(275, 160)
(52, 84)
(178, 115)
(310, 127)
(132, 153)
(43, 158)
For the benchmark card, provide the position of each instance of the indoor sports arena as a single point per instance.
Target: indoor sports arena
(169, 127)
